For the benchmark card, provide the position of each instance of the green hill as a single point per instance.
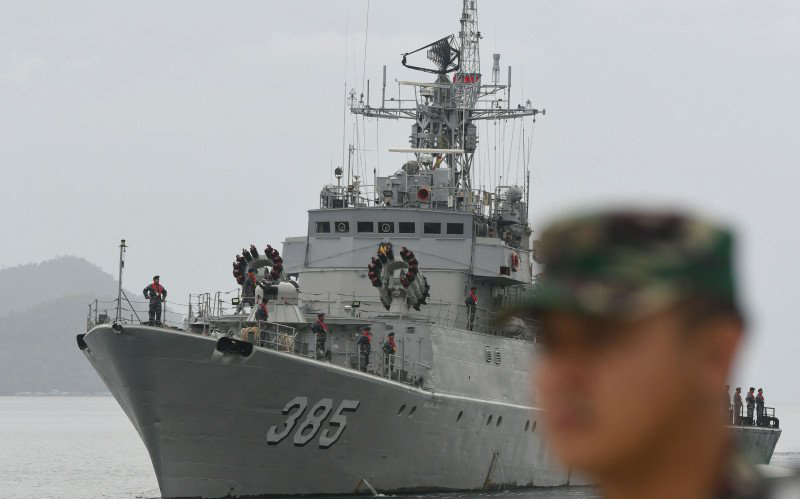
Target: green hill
(40, 352)
(42, 307)
(25, 286)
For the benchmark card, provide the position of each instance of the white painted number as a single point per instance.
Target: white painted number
(273, 435)
(338, 421)
(311, 425)
(309, 428)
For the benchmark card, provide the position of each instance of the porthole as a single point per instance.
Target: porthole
(412, 411)
(527, 425)
(460, 415)
(499, 420)
(489, 421)
(401, 409)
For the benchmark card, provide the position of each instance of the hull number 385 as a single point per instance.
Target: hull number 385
(311, 425)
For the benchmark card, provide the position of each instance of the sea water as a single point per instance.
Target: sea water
(85, 448)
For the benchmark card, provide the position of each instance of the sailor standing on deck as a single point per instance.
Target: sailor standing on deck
(156, 293)
(629, 300)
(248, 291)
(365, 347)
(321, 330)
(472, 305)
(751, 404)
(760, 407)
(262, 314)
(389, 350)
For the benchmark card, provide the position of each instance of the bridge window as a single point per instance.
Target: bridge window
(342, 227)
(455, 228)
(432, 228)
(385, 227)
(323, 227)
(365, 226)
(407, 227)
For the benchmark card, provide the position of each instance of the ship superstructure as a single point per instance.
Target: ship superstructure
(230, 406)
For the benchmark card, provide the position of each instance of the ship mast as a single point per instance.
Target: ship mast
(446, 108)
(467, 82)
(467, 79)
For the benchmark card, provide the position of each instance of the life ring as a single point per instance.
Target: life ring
(514, 262)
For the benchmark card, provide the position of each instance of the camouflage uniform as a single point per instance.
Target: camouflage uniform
(364, 348)
(759, 409)
(156, 294)
(751, 405)
(320, 329)
(389, 348)
(471, 301)
(627, 265)
(248, 291)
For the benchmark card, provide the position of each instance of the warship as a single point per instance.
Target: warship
(231, 406)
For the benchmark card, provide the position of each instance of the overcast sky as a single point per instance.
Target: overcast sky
(194, 128)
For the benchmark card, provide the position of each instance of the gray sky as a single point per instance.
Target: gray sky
(194, 128)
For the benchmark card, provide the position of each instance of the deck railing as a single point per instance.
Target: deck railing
(765, 419)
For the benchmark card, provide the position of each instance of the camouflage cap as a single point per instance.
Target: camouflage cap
(627, 264)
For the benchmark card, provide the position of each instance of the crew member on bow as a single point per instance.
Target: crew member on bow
(472, 305)
(321, 330)
(760, 407)
(365, 347)
(751, 404)
(156, 293)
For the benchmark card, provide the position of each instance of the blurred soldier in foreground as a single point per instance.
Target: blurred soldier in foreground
(629, 301)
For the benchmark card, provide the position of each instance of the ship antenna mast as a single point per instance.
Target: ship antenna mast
(468, 78)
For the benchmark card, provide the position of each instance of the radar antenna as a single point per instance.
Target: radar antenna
(442, 53)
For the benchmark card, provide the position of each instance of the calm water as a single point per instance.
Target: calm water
(74, 447)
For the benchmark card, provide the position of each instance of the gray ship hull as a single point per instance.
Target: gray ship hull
(757, 443)
(213, 423)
